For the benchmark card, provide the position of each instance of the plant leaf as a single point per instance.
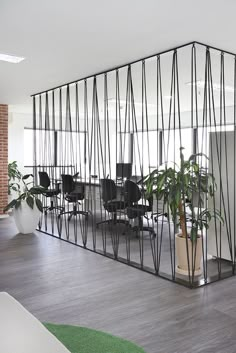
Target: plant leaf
(30, 201)
(36, 190)
(193, 234)
(10, 205)
(193, 156)
(26, 176)
(18, 203)
(39, 205)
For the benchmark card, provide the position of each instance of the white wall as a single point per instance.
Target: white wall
(18, 120)
(224, 201)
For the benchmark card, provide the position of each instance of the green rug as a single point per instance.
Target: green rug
(84, 340)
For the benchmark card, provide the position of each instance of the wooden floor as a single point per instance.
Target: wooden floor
(61, 283)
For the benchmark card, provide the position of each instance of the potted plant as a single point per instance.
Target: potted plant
(177, 186)
(14, 177)
(27, 206)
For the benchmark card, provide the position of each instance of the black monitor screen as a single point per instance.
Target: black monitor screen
(124, 170)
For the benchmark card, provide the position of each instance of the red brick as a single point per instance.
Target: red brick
(3, 156)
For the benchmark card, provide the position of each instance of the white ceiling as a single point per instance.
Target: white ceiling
(66, 40)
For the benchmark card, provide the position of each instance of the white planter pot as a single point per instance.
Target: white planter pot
(26, 218)
(182, 256)
(10, 198)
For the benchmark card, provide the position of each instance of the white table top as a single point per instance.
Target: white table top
(21, 332)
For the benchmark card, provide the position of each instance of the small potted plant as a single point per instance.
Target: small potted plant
(14, 177)
(27, 206)
(177, 186)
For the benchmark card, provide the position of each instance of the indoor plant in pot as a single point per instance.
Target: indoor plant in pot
(14, 177)
(27, 207)
(177, 186)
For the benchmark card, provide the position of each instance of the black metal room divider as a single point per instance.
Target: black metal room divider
(139, 156)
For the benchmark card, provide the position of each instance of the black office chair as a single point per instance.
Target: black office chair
(45, 182)
(73, 193)
(135, 210)
(110, 202)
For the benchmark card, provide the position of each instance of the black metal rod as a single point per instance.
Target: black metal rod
(136, 126)
(146, 269)
(131, 63)
(214, 48)
(115, 68)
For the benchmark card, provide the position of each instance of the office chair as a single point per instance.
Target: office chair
(45, 182)
(73, 194)
(134, 209)
(110, 202)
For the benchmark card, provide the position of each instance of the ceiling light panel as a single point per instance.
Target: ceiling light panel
(11, 58)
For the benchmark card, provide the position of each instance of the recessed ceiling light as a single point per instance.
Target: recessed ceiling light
(11, 58)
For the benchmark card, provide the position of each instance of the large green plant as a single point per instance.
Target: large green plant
(14, 176)
(30, 195)
(177, 185)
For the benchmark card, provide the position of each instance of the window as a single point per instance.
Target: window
(172, 141)
(70, 150)
(145, 154)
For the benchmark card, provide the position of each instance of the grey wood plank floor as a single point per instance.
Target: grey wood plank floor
(58, 282)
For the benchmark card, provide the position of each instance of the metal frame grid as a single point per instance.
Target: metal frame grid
(87, 126)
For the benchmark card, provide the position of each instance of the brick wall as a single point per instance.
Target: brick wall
(3, 156)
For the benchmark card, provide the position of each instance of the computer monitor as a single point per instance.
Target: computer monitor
(124, 170)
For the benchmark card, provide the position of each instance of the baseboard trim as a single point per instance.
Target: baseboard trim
(2, 216)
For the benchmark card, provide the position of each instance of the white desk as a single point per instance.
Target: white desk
(21, 332)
